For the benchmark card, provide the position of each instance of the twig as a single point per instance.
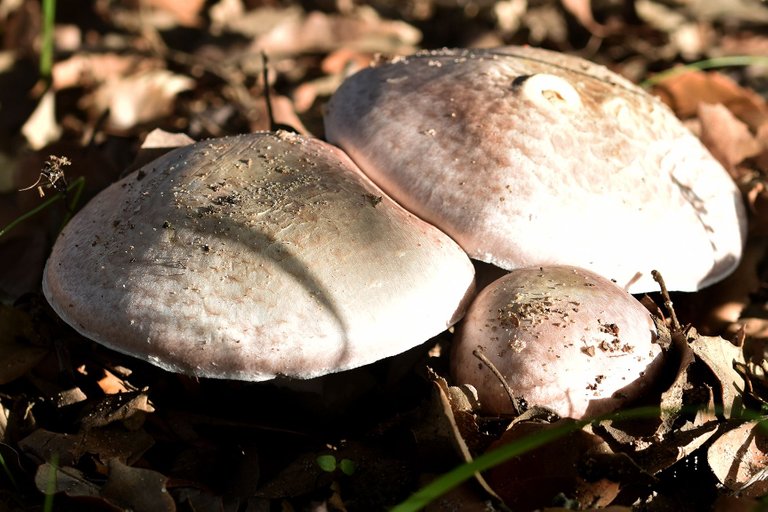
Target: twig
(667, 300)
(515, 405)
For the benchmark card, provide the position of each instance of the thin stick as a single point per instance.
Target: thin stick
(267, 99)
(515, 406)
(667, 300)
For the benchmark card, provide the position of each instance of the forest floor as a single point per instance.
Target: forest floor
(85, 428)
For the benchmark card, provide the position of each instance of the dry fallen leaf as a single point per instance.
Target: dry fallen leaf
(137, 489)
(721, 357)
(42, 128)
(138, 98)
(532, 481)
(185, 12)
(70, 481)
(684, 92)
(739, 456)
(90, 69)
(728, 139)
(128, 408)
(318, 32)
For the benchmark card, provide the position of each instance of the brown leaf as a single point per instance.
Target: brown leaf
(739, 455)
(317, 32)
(90, 69)
(684, 92)
(675, 447)
(185, 12)
(112, 384)
(138, 98)
(673, 399)
(116, 443)
(45, 446)
(721, 356)
(129, 408)
(42, 128)
(532, 480)
(106, 444)
(157, 143)
(70, 481)
(728, 139)
(137, 489)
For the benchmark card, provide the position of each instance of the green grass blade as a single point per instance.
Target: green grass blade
(716, 62)
(76, 185)
(46, 48)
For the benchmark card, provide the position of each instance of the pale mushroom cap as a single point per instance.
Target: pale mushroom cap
(254, 256)
(529, 157)
(562, 337)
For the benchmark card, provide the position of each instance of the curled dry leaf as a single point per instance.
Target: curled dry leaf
(721, 357)
(739, 459)
(129, 408)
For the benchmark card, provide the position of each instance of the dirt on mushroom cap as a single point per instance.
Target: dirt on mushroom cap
(563, 338)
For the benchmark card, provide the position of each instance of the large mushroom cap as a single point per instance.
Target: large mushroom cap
(254, 256)
(562, 337)
(530, 157)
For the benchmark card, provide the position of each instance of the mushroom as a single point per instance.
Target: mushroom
(254, 256)
(530, 157)
(562, 337)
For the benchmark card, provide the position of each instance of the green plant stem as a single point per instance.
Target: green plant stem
(46, 48)
(51, 485)
(77, 185)
(8, 472)
(716, 62)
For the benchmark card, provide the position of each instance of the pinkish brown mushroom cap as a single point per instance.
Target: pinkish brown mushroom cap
(529, 157)
(562, 337)
(254, 256)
